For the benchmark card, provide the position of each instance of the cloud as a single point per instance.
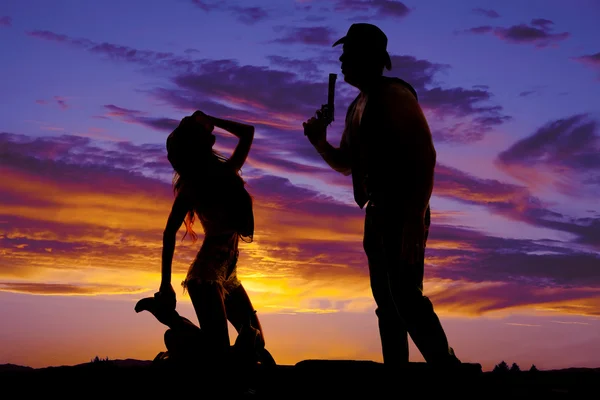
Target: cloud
(564, 153)
(315, 35)
(52, 157)
(246, 15)
(301, 66)
(527, 93)
(58, 100)
(590, 60)
(538, 32)
(497, 297)
(511, 201)
(207, 6)
(139, 117)
(479, 258)
(251, 15)
(477, 30)
(81, 214)
(469, 106)
(229, 89)
(65, 289)
(515, 203)
(116, 52)
(226, 88)
(357, 10)
(70, 173)
(369, 9)
(486, 12)
(293, 98)
(6, 21)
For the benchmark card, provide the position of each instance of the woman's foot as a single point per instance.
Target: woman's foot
(162, 312)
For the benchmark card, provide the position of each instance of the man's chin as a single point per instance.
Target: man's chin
(349, 79)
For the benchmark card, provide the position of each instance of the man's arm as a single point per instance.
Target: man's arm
(337, 158)
(407, 148)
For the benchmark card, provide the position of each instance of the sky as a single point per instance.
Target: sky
(90, 91)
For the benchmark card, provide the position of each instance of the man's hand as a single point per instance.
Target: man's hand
(413, 240)
(316, 130)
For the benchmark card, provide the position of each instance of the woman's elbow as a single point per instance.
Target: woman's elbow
(249, 131)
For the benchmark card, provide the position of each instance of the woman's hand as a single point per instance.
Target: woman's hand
(205, 120)
(166, 295)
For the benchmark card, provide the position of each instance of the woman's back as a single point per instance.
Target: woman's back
(222, 203)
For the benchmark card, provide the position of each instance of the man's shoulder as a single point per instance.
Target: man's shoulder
(393, 94)
(397, 89)
(393, 102)
(352, 105)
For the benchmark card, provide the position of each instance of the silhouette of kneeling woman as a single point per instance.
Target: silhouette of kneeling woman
(208, 186)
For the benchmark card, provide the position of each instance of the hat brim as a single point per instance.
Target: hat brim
(339, 41)
(388, 60)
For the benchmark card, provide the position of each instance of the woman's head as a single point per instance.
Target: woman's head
(190, 143)
(191, 154)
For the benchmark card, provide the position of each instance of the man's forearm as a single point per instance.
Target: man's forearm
(334, 157)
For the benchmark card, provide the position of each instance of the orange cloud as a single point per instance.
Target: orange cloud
(84, 230)
(66, 289)
(457, 298)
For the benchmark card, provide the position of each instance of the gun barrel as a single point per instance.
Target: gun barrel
(331, 91)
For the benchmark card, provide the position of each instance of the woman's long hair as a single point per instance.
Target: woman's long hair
(218, 180)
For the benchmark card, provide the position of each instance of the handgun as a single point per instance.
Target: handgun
(328, 110)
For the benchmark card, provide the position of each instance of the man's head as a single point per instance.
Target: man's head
(364, 53)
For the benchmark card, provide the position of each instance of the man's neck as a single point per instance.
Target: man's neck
(368, 83)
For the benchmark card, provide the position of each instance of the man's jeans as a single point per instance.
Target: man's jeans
(398, 291)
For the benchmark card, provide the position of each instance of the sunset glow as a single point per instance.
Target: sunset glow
(90, 94)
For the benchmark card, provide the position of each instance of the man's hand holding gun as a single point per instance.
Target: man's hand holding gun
(316, 127)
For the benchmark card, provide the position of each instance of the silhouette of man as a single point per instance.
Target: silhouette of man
(388, 149)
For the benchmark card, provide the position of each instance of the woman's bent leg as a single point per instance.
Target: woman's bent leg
(240, 311)
(207, 299)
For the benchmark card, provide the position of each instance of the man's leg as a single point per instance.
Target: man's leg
(406, 287)
(392, 331)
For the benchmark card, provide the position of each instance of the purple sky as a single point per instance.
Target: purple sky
(512, 94)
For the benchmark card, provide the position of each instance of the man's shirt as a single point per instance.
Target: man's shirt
(386, 144)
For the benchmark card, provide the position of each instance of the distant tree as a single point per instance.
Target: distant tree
(533, 368)
(502, 367)
(98, 359)
(515, 368)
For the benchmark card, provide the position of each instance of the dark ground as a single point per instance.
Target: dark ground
(307, 379)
